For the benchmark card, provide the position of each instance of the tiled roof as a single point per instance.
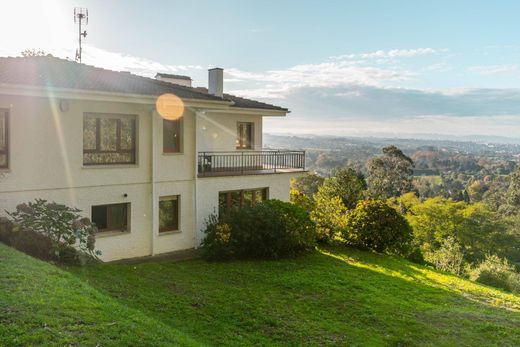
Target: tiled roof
(48, 71)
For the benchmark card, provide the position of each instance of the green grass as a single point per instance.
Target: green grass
(334, 296)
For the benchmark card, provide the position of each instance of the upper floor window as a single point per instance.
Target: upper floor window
(109, 139)
(172, 135)
(4, 139)
(245, 135)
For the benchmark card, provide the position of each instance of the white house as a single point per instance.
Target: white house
(148, 160)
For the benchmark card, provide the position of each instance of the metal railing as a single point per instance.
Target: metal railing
(249, 162)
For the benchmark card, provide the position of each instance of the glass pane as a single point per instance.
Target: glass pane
(171, 135)
(3, 160)
(222, 203)
(239, 135)
(235, 199)
(127, 133)
(3, 132)
(108, 133)
(248, 135)
(264, 193)
(108, 158)
(99, 216)
(117, 217)
(248, 197)
(168, 214)
(89, 133)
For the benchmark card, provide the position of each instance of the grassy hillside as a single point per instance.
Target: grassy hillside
(334, 296)
(43, 305)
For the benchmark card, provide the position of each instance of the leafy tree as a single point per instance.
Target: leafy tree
(513, 192)
(390, 175)
(308, 184)
(347, 184)
(376, 226)
(32, 52)
(448, 257)
(328, 215)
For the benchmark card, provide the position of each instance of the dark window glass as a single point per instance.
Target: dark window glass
(244, 135)
(169, 213)
(112, 217)
(239, 198)
(109, 139)
(4, 139)
(172, 133)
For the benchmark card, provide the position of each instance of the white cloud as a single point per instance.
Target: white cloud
(394, 53)
(494, 69)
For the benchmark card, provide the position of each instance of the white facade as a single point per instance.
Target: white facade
(46, 161)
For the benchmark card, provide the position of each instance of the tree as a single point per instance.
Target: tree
(328, 215)
(308, 184)
(513, 192)
(32, 52)
(390, 175)
(347, 184)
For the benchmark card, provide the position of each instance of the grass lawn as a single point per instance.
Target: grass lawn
(334, 296)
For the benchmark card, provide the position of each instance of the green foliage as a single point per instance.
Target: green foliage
(513, 191)
(347, 184)
(269, 230)
(376, 226)
(329, 214)
(61, 226)
(308, 185)
(389, 175)
(300, 199)
(448, 257)
(498, 273)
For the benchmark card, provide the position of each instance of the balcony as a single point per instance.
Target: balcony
(212, 164)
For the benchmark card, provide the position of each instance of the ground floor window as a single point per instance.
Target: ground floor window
(238, 198)
(169, 213)
(113, 217)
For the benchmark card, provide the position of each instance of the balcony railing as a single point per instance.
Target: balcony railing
(249, 163)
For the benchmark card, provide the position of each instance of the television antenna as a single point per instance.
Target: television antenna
(80, 18)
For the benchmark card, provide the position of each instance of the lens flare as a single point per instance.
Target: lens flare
(169, 106)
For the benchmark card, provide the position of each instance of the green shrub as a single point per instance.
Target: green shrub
(497, 272)
(51, 231)
(269, 230)
(449, 257)
(376, 226)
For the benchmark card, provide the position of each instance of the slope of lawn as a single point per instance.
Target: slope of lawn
(334, 296)
(43, 305)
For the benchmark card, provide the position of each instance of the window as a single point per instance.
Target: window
(169, 213)
(244, 135)
(172, 132)
(4, 139)
(112, 217)
(109, 139)
(238, 198)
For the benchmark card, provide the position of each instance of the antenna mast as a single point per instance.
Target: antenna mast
(80, 18)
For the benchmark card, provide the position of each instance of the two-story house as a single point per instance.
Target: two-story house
(148, 160)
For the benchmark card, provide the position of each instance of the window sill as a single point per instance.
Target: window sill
(172, 153)
(170, 232)
(103, 234)
(116, 166)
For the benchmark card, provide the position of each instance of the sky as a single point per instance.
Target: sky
(376, 68)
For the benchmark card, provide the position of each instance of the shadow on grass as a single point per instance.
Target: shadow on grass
(334, 296)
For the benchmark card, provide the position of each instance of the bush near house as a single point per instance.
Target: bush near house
(269, 230)
(50, 231)
(376, 226)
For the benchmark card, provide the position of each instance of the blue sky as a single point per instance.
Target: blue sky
(342, 67)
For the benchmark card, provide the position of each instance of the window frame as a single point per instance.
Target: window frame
(180, 140)
(109, 229)
(241, 141)
(118, 117)
(264, 191)
(7, 140)
(170, 228)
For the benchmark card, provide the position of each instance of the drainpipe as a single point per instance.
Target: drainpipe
(196, 174)
(153, 155)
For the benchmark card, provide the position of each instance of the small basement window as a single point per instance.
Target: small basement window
(238, 198)
(113, 217)
(4, 139)
(169, 213)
